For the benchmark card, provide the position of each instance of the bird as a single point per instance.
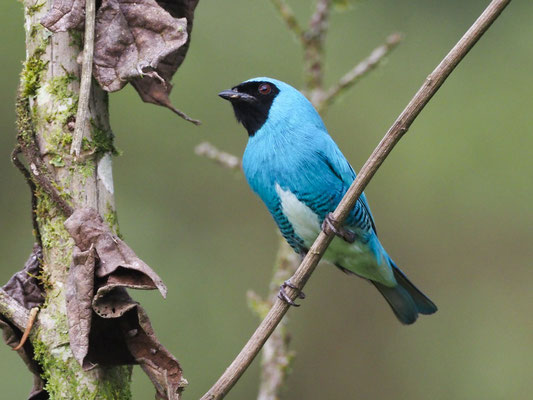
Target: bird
(293, 164)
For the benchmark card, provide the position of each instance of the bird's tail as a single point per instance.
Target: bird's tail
(405, 299)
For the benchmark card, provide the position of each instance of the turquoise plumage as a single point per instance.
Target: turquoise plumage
(298, 171)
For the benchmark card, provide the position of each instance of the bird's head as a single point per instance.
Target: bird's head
(261, 100)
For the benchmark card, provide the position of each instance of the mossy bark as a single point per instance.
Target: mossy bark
(50, 81)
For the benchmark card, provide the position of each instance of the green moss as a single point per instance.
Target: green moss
(24, 122)
(31, 10)
(34, 29)
(114, 387)
(85, 169)
(57, 161)
(76, 39)
(61, 328)
(59, 376)
(44, 279)
(58, 141)
(33, 69)
(64, 96)
(31, 75)
(101, 141)
(61, 190)
(63, 378)
(58, 86)
(53, 233)
(6, 312)
(111, 218)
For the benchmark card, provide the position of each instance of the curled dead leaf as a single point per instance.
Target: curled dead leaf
(142, 42)
(65, 15)
(25, 288)
(116, 258)
(106, 326)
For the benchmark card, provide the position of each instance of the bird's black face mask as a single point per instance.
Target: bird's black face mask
(251, 102)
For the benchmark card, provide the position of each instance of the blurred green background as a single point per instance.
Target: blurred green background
(452, 203)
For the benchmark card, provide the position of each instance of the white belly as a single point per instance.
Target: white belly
(353, 256)
(304, 221)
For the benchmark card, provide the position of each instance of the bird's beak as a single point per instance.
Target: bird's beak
(233, 95)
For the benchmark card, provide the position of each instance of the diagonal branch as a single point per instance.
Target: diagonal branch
(430, 86)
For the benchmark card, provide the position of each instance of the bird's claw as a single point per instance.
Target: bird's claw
(328, 225)
(285, 297)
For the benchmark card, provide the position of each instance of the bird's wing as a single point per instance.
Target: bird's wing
(342, 172)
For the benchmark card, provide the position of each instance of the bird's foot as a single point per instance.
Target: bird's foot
(328, 225)
(285, 297)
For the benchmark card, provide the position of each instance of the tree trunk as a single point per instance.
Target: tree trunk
(50, 81)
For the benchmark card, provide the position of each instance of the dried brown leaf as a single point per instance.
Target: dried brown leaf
(79, 294)
(132, 38)
(115, 257)
(93, 340)
(143, 42)
(24, 287)
(156, 361)
(106, 326)
(65, 15)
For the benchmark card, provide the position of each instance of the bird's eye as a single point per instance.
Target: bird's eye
(265, 88)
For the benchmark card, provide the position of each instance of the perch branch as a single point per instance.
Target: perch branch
(360, 70)
(82, 115)
(430, 86)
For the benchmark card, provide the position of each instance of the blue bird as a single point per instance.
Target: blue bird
(298, 171)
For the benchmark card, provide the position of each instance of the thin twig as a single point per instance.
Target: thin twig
(39, 173)
(287, 15)
(430, 86)
(314, 39)
(318, 24)
(18, 314)
(222, 158)
(27, 176)
(31, 320)
(82, 115)
(360, 70)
